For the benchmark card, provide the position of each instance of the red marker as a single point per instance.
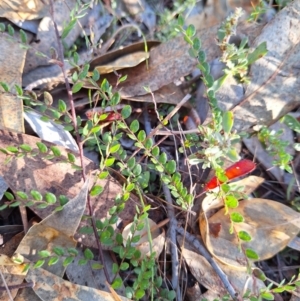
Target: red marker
(238, 169)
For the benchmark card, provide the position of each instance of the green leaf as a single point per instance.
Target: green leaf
(42, 147)
(50, 198)
(19, 90)
(190, 31)
(134, 126)
(109, 161)
(96, 190)
(171, 166)
(59, 251)
(44, 253)
(77, 87)
(114, 148)
(126, 111)
(227, 121)
(68, 28)
(131, 162)
(15, 204)
(2, 27)
(130, 187)
(88, 254)
(236, 217)
(72, 251)
(10, 30)
(39, 263)
(251, 254)
(36, 195)
(141, 135)
(42, 206)
(83, 74)
(22, 195)
(96, 75)
(117, 283)
(97, 266)
(96, 129)
(137, 170)
(12, 149)
(68, 261)
(71, 158)
(23, 36)
(9, 195)
(267, 296)
(139, 294)
(231, 201)
(82, 262)
(53, 260)
(4, 86)
(86, 230)
(2, 207)
(260, 51)
(155, 151)
(245, 236)
(292, 123)
(123, 78)
(62, 106)
(55, 150)
(124, 266)
(25, 147)
(115, 99)
(162, 158)
(103, 175)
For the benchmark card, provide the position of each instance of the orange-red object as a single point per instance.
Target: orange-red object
(238, 169)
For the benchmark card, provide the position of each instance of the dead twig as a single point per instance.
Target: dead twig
(172, 237)
(78, 139)
(203, 251)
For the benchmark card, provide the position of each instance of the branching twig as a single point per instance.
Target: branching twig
(203, 251)
(78, 139)
(172, 236)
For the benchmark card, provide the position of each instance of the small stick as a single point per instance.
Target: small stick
(203, 251)
(172, 236)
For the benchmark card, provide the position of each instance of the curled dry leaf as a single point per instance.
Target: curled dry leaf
(158, 238)
(48, 284)
(206, 276)
(270, 224)
(125, 61)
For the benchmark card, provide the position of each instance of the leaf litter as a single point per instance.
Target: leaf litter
(169, 62)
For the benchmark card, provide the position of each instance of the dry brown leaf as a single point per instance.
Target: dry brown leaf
(47, 284)
(206, 276)
(12, 58)
(59, 178)
(273, 91)
(271, 225)
(125, 61)
(170, 94)
(23, 9)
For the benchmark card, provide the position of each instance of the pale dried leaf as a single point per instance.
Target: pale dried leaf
(47, 284)
(23, 9)
(206, 276)
(125, 61)
(271, 225)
